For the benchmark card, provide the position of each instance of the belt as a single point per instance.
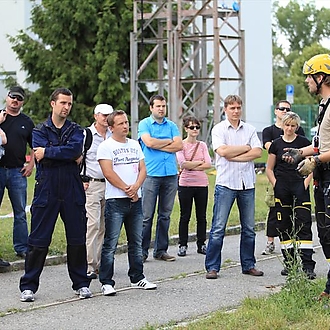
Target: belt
(96, 180)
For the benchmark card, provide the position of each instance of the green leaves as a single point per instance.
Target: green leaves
(303, 26)
(82, 45)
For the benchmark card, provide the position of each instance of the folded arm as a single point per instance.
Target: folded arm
(230, 151)
(247, 156)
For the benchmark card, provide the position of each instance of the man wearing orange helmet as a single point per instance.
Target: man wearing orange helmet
(317, 71)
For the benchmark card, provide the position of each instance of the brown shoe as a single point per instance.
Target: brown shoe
(253, 272)
(324, 295)
(165, 257)
(211, 275)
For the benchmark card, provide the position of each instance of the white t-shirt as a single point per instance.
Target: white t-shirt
(125, 161)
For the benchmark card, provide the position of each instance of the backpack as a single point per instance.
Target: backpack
(87, 144)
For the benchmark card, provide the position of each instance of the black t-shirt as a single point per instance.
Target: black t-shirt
(270, 133)
(282, 169)
(19, 133)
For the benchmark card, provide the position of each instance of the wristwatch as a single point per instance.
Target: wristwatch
(317, 160)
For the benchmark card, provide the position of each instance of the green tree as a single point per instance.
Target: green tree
(82, 45)
(304, 26)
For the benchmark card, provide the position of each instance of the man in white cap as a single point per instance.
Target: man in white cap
(94, 184)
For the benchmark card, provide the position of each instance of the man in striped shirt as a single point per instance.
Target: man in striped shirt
(236, 145)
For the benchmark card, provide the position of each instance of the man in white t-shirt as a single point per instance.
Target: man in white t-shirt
(122, 163)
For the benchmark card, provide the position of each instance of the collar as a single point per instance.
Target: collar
(154, 120)
(228, 124)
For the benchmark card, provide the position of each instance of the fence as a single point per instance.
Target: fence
(308, 114)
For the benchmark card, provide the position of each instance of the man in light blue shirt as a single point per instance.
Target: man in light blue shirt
(160, 139)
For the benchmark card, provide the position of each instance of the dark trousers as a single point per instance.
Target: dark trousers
(188, 195)
(294, 222)
(322, 212)
(271, 224)
(58, 191)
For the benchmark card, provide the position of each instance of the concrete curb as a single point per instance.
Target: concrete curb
(60, 259)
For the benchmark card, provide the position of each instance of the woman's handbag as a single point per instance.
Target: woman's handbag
(270, 197)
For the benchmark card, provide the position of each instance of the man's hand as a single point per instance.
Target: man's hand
(39, 153)
(292, 156)
(306, 166)
(2, 116)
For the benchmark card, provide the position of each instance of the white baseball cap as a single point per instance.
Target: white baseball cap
(105, 109)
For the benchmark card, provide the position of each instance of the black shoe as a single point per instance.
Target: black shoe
(201, 249)
(310, 274)
(182, 252)
(284, 272)
(4, 263)
(91, 276)
(21, 255)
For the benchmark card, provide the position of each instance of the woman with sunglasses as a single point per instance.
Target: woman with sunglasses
(193, 160)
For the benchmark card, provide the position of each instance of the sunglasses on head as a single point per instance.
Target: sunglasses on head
(283, 108)
(17, 97)
(194, 127)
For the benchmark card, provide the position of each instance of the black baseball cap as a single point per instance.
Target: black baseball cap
(17, 91)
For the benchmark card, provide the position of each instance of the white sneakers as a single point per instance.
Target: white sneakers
(144, 284)
(108, 290)
(84, 293)
(27, 296)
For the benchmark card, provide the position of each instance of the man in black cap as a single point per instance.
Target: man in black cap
(13, 167)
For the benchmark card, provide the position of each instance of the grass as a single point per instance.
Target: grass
(288, 309)
(58, 245)
(295, 306)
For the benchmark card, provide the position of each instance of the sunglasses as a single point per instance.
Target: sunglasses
(17, 97)
(194, 127)
(283, 108)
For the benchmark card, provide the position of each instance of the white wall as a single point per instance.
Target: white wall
(15, 15)
(256, 21)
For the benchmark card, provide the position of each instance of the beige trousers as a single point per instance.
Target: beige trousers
(95, 203)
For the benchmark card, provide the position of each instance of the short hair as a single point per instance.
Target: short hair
(156, 97)
(291, 117)
(111, 117)
(58, 91)
(230, 99)
(186, 120)
(282, 101)
(326, 78)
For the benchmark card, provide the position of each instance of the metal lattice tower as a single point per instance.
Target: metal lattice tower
(198, 46)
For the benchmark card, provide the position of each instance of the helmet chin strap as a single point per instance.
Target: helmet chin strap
(318, 84)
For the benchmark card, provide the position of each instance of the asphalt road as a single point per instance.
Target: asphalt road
(183, 293)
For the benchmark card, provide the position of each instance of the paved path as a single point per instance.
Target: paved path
(183, 292)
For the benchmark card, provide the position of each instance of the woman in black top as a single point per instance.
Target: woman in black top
(292, 199)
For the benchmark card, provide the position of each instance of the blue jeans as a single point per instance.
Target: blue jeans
(164, 188)
(119, 211)
(223, 202)
(16, 184)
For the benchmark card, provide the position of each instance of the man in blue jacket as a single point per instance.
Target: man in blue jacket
(58, 145)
